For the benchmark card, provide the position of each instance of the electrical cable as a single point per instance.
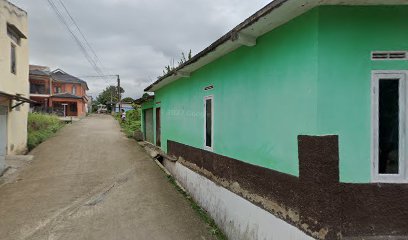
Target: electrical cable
(80, 44)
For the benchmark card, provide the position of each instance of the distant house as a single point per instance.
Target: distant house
(58, 92)
(14, 85)
(293, 125)
(40, 88)
(125, 106)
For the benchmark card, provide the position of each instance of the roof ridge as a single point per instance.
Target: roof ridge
(59, 72)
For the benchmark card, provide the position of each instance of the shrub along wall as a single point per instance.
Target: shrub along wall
(132, 122)
(41, 127)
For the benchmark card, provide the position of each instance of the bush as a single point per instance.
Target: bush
(132, 122)
(41, 127)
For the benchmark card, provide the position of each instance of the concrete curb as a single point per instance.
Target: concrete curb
(154, 154)
(154, 151)
(169, 174)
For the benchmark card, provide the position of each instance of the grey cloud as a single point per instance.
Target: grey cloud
(134, 38)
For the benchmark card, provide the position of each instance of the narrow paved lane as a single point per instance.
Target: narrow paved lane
(91, 182)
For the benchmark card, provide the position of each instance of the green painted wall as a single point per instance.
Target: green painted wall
(148, 104)
(264, 96)
(310, 76)
(347, 35)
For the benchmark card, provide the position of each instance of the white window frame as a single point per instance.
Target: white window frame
(401, 177)
(209, 97)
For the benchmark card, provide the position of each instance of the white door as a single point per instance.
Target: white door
(3, 137)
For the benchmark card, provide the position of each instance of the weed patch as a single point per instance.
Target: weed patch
(41, 127)
(132, 122)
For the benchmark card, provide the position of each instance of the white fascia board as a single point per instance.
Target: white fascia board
(246, 40)
(222, 50)
(183, 74)
(277, 17)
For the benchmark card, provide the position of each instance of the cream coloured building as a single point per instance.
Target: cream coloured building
(14, 85)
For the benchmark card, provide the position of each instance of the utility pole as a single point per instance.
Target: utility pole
(119, 92)
(119, 95)
(111, 101)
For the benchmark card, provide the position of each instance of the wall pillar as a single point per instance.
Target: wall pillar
(320, 188)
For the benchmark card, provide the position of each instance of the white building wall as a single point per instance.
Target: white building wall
(14, 83)
(237, 217)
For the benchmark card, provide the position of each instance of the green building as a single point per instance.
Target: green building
(299, 111)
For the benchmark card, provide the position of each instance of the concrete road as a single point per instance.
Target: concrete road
(91, 182)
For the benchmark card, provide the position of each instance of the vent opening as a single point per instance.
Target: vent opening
(396, 55)
(209, 88)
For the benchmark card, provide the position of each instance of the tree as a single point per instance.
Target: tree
(111, 92)
(128, 100)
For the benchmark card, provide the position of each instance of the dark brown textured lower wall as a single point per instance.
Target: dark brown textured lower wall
(316, 202)
(374, 209)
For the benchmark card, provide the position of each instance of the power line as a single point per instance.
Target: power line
(80, 44)
(76, 39)
(80, 31)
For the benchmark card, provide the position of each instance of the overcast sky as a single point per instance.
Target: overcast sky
(133, 38)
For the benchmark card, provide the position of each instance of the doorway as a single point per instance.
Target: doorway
(3, 137)
(148, 125)
(158, 127)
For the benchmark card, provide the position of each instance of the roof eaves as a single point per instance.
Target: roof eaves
(17, 97)
(144, 99)
(231, 35)
(65, 95)
(39, 75)
(17, 7)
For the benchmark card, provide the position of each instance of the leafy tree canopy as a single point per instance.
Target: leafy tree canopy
(105, 96)
(128, 100)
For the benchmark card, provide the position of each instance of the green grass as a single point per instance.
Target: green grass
(214, 229)
(41, 127)
(132, 122)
